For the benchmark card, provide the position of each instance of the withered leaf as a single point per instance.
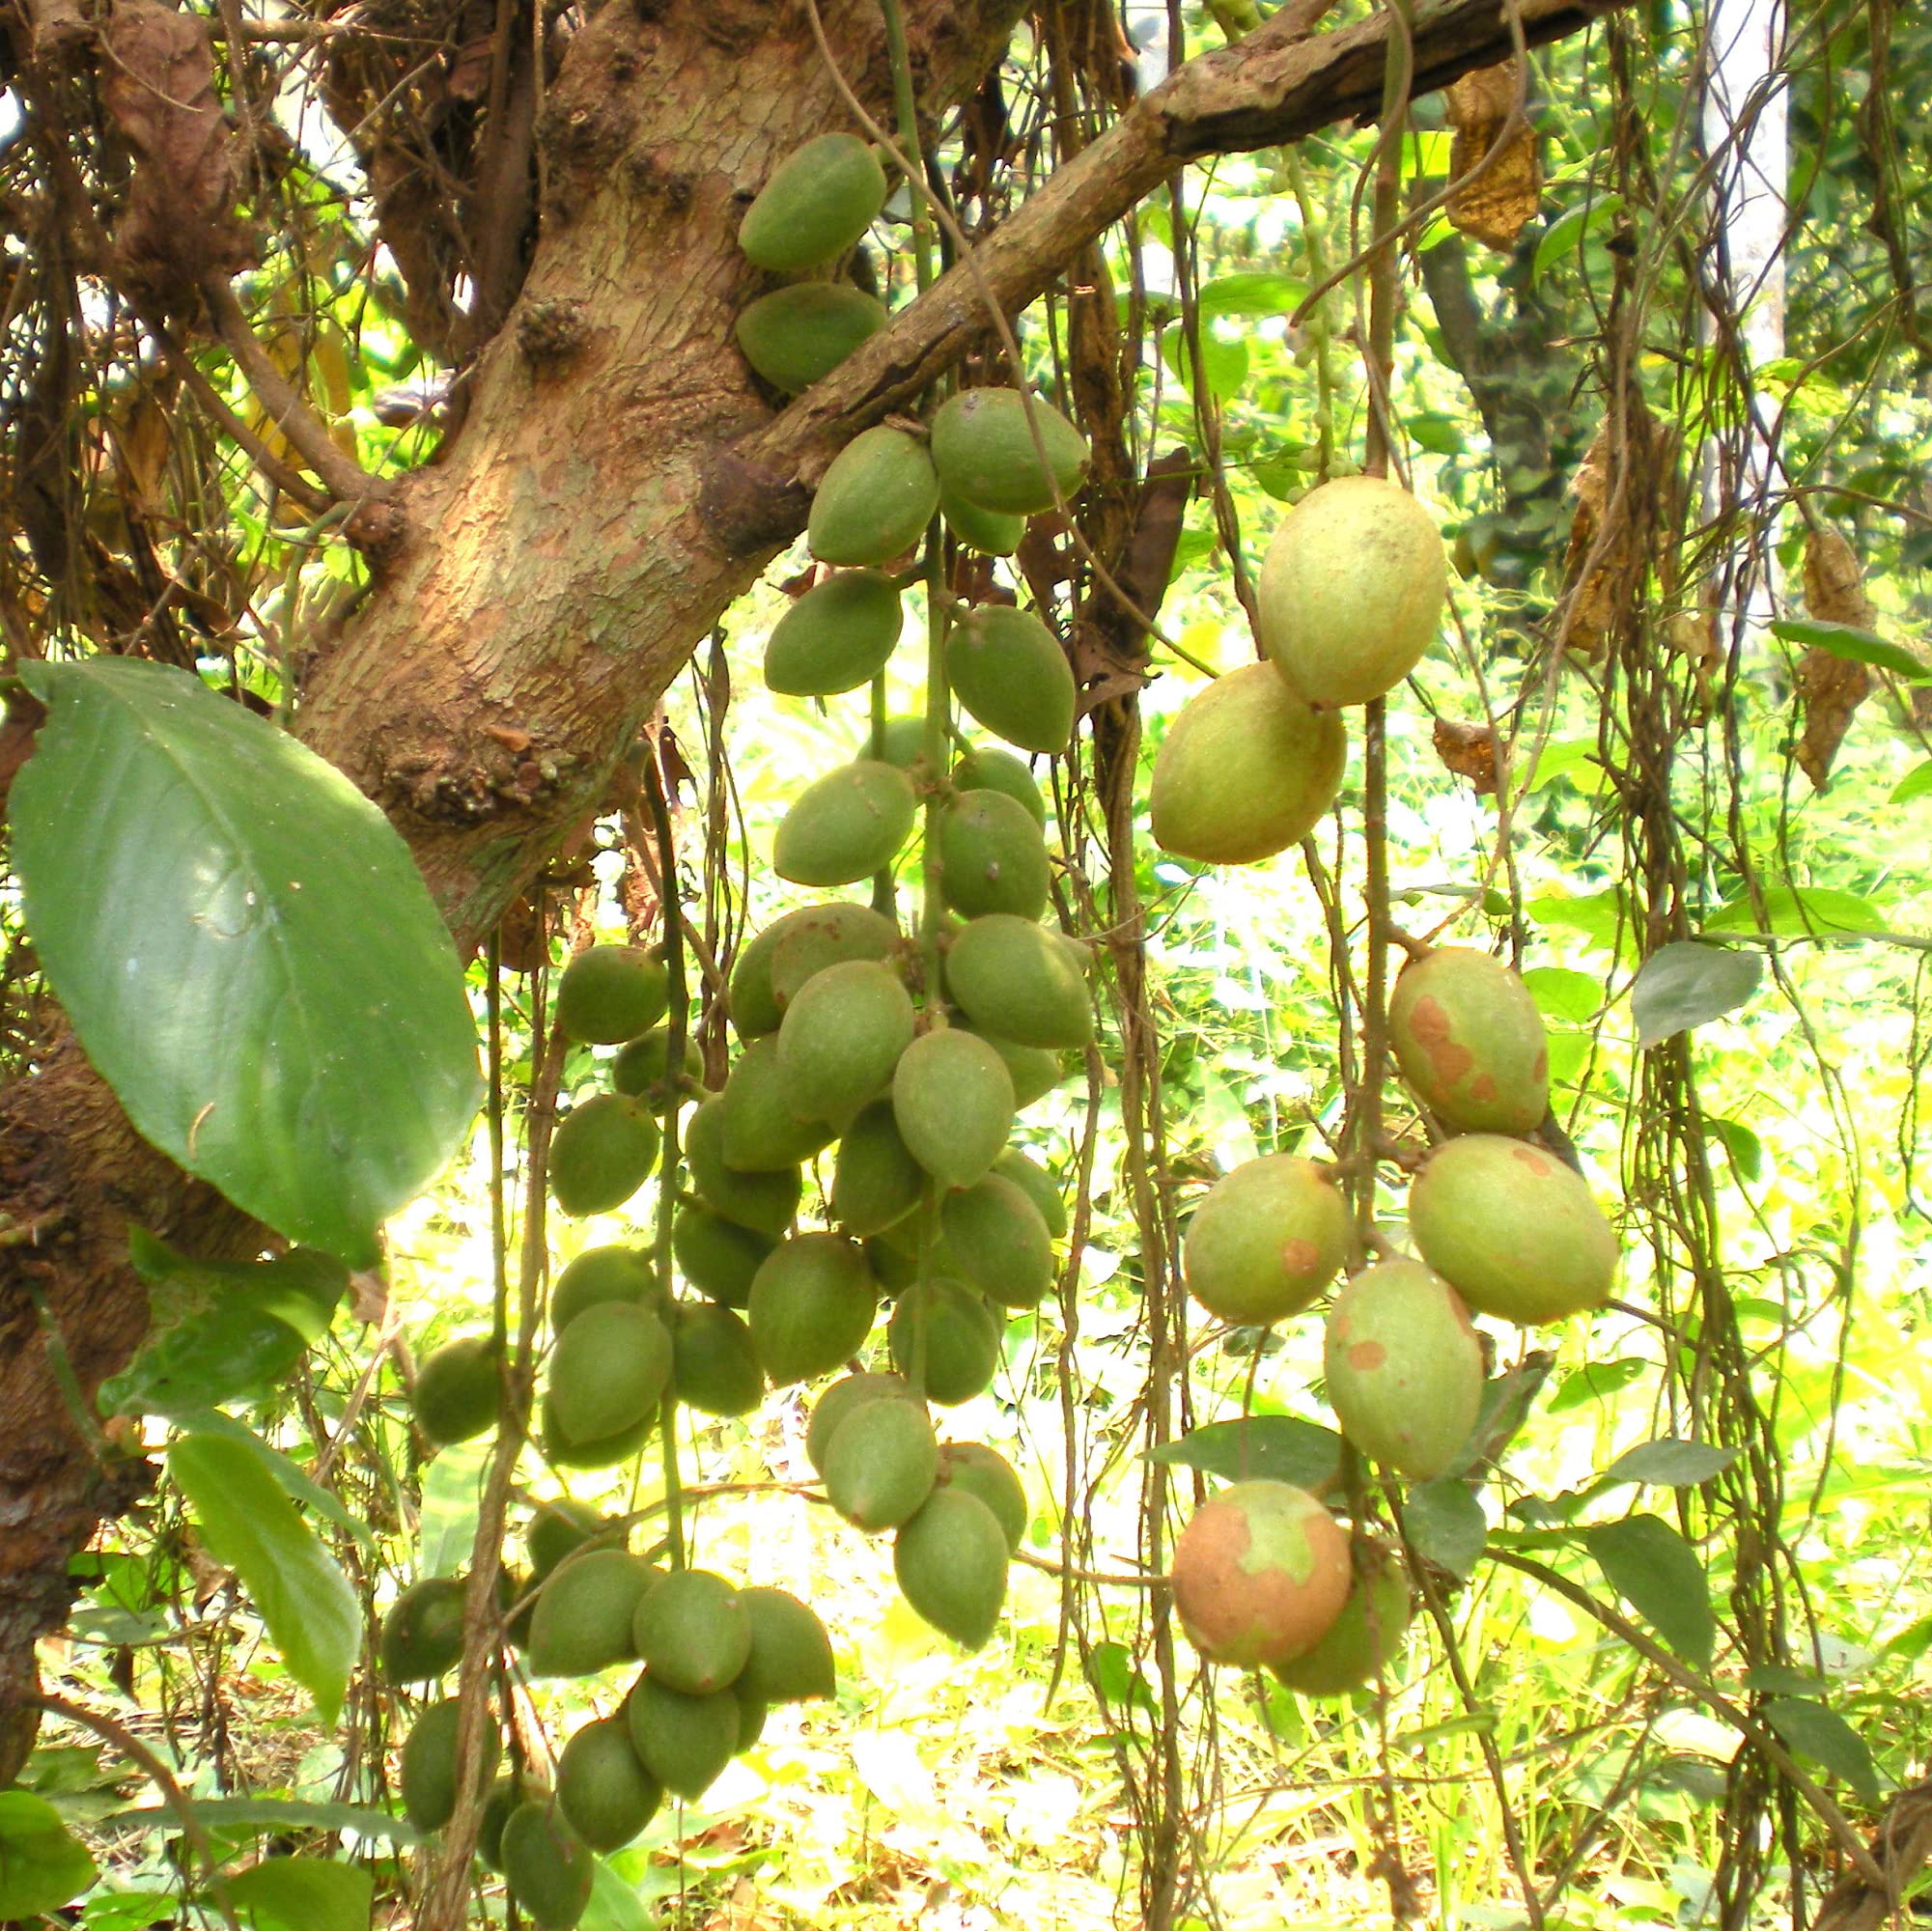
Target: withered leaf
(1468, 750)
(1496, 206)
(1831, 689)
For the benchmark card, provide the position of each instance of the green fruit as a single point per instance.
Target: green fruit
(835, 638)
(879, 1464)
(1470, 1043)
(1404, 1368)
(765, 1202)
(993, 768)
(790, 1658)
(560, 1528)
(1512, 1229)
(839, 1400)
(456, 1393)
(987, 445)
(547, 1866)
(1009, 671)
(1037, 1184)
(1035, 1070)
(597, 1275)
(828, 934)
(1019, 982)
(602, 1789)
(692, 1632)
(795, 335)
(817, 201)
(952, 1098)
(428, 1779)
(611, 994)
(874, 501)
(876, 1181)
(842, 1036)
(714, 1362)
(1259, 1575)
(601, 1153)
(752, 1716)
(683, 1741)
(638, 1070)
(422, 1635)
(584, 1614)
(761, 1133)
(979, 1470)
(905, 743)
(812, 1304)
(894, 1259)
(1266, 1241)
(717, 1256)
(1352, 589)
(998, 1242)
(609, 1371)
(962, 1341)
(604, 1451)
(985, 530)
(505, 1795)
(1364, 1638)
(1245, 770)
(950, 1561)
(992, 857)
(845, 825)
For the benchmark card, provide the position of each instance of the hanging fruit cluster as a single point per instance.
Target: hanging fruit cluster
(1349, 599)
(896, 1055)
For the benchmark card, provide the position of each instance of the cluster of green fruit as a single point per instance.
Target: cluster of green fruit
(715, 1657)
(1349, 599)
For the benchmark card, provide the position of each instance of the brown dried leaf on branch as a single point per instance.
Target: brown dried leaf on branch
(1616, 492)
(1831, 689)
(1468, 750)
(1495, 207)
(159, 88)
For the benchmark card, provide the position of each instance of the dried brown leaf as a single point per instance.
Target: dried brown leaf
(1495, 207)
(1468, 750)
(1831, 689)
(158, 89)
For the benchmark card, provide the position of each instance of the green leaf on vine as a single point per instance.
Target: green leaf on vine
(43, 1864)
(1261, 1447)
(1685, 984)
(1826, 1738)
(1854, 644)
(245, 948)
(1658, 1575)
(303, 1894)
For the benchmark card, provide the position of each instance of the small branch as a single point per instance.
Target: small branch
(341, 476)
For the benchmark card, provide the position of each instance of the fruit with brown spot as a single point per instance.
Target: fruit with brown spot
(1260, 1574)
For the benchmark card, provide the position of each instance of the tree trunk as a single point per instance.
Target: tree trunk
(617, 482)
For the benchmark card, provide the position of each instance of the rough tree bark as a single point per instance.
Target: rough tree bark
(617, 483)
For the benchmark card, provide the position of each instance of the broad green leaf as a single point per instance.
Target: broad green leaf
(1744, 1147)
(614, 1905)
(228, 1815)
(1783, 1681)
(1577, 759)
(1118, 1679)
(298, 1486)
(452, 1499)
(252, 1526)
(1792, 911)
(1568, 231)
(130, 1909)
(1506, 1401)
(1684, 985)
(1915, 783)
(1260, 293)
(1261, 1447)
(1658, 1575)
(1854, 644)
(1826, 1738)
(43, 1864)
(1670, 1463)
(1596, 1381)
(1224, 363)
(1600, 916)
(1446, 1525)
(1564, 994)
(303, 1894)
(245, 948)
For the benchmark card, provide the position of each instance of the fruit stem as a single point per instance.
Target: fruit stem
(906, 108)
(671, 917)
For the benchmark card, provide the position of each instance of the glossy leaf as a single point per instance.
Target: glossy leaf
(294, 1482)
(1597, 1381)
(232, 1814)
(1658, 1575)
(1793, 912)
(1259, 293)
(1446, 1525)
(245, 948)
(1261, 1447)
(1824, 1736)
(251, 1525)
(43, 1864)
(303, 1894)
(1854, 644)
(1915, 783)
(1671, 1464)
(1683, 985)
